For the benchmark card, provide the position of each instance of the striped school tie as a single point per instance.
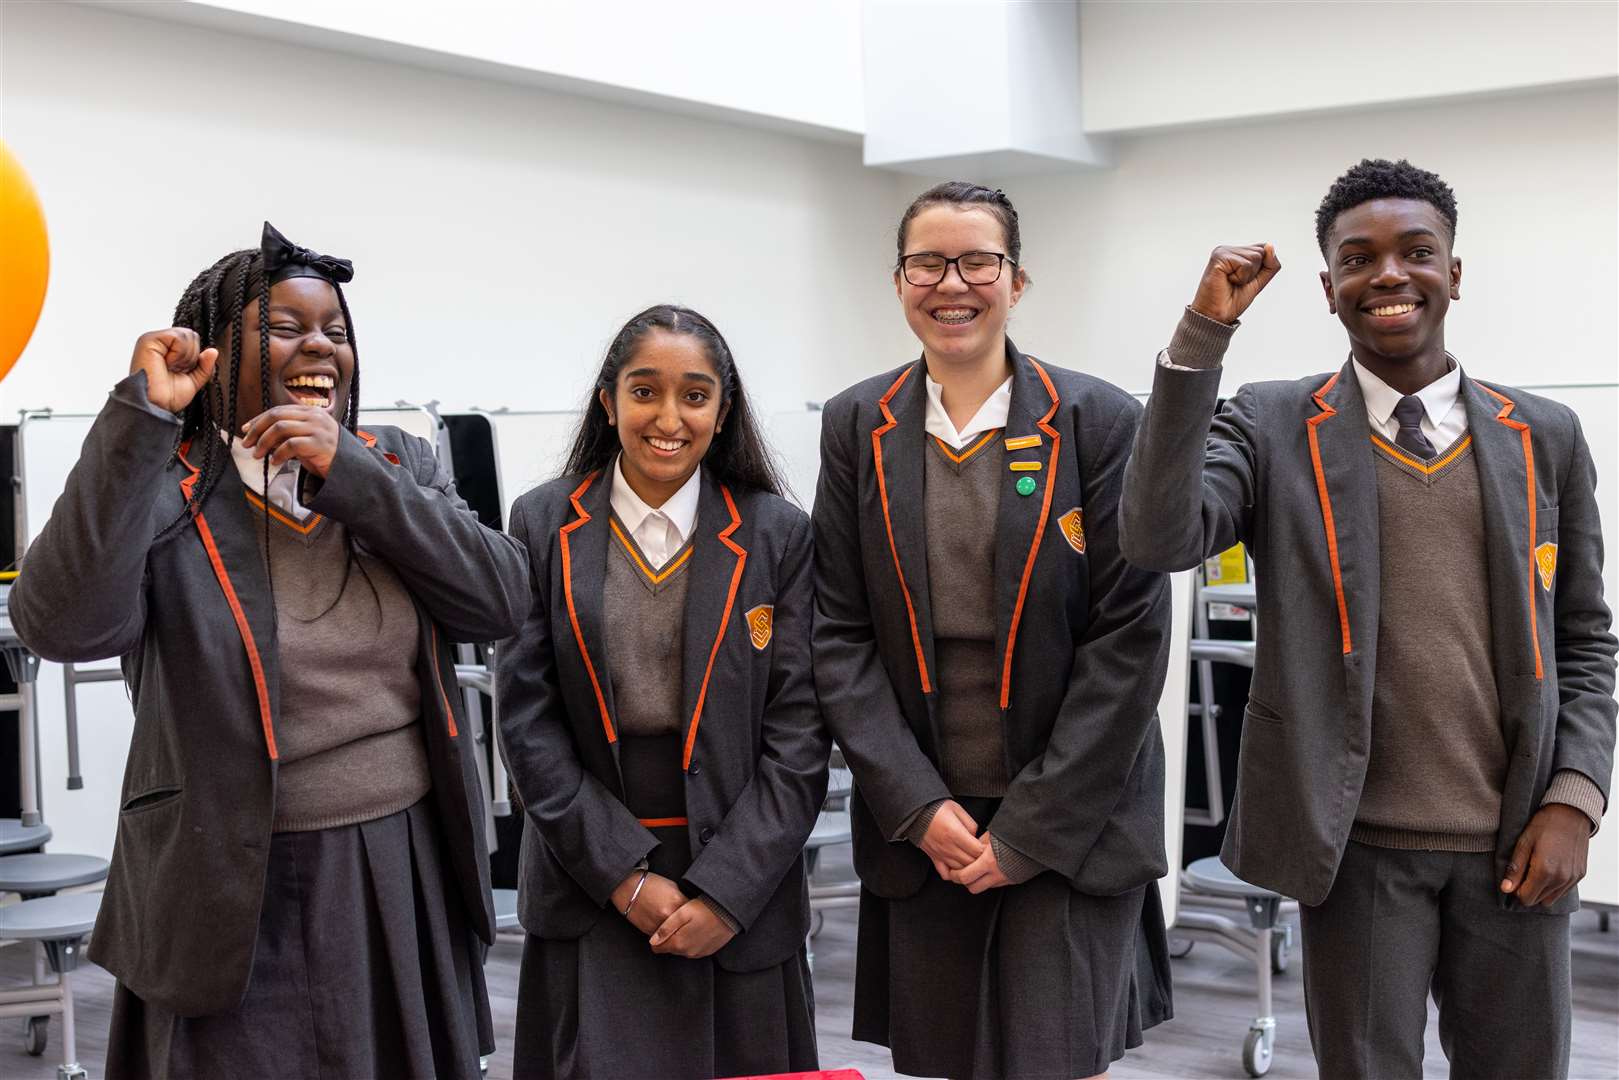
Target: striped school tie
(1408, 412)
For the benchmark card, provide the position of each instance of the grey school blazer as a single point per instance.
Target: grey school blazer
(1083, 635)
(192, 618)
(755, 751)
(1287, 469)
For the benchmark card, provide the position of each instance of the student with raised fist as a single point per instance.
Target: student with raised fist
(299, 883)
(991, 667)
(1430, 731)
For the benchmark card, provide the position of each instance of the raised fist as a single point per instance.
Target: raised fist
(1234, 276)
(176, 366)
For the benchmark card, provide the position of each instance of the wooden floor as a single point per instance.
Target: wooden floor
(1214, 1000)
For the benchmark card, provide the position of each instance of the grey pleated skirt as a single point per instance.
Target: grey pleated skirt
(606, 1007)
(1024, 982)
(366, 966)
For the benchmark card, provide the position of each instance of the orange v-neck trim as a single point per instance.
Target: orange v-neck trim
(656, 577)
(961, 459)
(302, 527)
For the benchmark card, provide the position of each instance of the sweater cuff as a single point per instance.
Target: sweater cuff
(1016, 867)
(722, 915)
(917, 827)
(1573, 788)
(1199, 342)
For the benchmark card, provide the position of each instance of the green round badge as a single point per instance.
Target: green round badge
(1025, 485)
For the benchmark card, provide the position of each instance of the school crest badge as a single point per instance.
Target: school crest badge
(761, 622)
(1072, 525)
(1546, 563)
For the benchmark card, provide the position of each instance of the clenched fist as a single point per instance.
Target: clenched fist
(1234, 276)
(176, 366)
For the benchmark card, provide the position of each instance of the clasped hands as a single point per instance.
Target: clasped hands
(958, 853)
(675, 924)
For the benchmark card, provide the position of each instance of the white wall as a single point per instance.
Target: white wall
(1176, 62)
(1116, 254)
(501, 234)
(792, 64)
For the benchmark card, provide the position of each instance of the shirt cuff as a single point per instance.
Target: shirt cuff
(1015, 866)
(1199, 343)
(917, 827)
(1573, 788)
(722, 915)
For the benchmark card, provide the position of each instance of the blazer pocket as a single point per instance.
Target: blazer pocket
(1545, 523)
(1258, 710)
(151, 799)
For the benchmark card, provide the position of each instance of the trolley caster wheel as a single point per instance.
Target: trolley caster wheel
(1256, 1054)
(1281, 953)
(1180, 948)
(37, 1036)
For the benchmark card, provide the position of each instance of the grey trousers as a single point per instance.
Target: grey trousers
(1398, 925)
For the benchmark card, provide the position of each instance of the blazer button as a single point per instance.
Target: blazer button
(705, 835)
(694, 770)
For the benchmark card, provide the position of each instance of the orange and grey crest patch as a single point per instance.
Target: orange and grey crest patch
(1072, 525)
(761, 623)
(1546, 563)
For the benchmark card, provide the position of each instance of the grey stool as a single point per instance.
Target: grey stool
(39, 874)
(1263, 941)
(34, 876)
(59, 924)
(15, 837)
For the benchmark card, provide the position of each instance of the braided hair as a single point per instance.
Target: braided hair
(213, 306)
(738, 456)
(964, 193)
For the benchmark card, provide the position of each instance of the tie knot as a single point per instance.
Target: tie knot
(1408, 411)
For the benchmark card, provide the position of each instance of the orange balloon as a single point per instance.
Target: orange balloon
(25, 259)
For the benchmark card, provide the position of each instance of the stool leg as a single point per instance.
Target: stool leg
(70, 1042)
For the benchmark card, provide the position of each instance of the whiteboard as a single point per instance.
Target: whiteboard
(529, 450)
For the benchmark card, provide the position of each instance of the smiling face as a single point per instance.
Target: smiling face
(311, 359)
(958, 323)
(1390, 279)
(666, 406)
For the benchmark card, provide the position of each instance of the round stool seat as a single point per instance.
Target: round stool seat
(505, 909)
(15, 836)
(50, 918)
(1210, 875)
(42, 873)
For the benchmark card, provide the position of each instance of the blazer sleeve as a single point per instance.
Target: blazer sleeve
(764, 831)
(1189, 485)
(472, 579)
(1585, 643)
(587, 828)
(895, 777)
(1057, 806)
(81, 594)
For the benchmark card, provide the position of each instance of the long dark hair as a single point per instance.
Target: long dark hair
(738, 456)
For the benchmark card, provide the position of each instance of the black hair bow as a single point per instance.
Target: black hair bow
(283, 259)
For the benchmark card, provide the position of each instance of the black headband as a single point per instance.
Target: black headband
(283, 259)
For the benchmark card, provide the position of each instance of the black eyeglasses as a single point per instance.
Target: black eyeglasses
(975, 267)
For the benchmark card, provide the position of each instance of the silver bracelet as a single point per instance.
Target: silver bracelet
(637, 893)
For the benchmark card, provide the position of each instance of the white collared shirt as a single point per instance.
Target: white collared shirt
(659, 531)
(990, 415)
(283, 480)
(1444, 418)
